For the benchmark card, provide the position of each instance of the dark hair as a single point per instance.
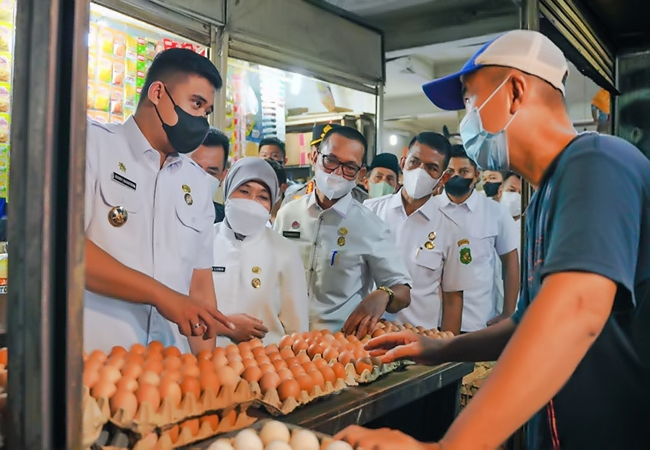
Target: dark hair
(510, 174)
(437, 142)
(174, 61)
(216, 138)
(274, 142)
(279, 171)
(349, 133)
(458, 151)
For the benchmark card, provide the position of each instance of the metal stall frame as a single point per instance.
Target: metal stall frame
(309, 37)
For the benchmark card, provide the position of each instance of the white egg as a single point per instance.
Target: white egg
(304, 440)
(278, 445)
(339, 445)
(274, 431)
(248, 440)
(221, 444)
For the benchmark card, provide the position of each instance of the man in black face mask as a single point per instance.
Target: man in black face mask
(149, 215)
(492, 232)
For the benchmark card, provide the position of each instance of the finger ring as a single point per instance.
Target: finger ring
(197, 325)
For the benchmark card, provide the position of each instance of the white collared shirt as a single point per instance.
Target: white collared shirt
(167, 234)
(261, 276)
(490, 227)
(346, 250)
(429, 268)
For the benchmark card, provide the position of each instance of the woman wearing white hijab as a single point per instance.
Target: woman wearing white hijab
(258, 274)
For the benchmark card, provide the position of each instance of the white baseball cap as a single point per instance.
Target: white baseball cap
(525, 50)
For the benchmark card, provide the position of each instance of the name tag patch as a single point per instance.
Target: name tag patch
(218, 269)
(291, 234)
(124, 181)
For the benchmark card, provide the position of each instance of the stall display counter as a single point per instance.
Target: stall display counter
(419, 400)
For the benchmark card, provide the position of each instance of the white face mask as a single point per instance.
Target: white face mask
(246, 217)
(418, 183)
(214, 185)
(333, 186)
(512, 201)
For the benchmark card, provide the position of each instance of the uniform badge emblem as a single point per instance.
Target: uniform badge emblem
(122, 167)
(256, 283)
(343, 231)
(295, 225)
(257, 270)
(429, 245)
(117, 216)
(340, 241)
(188, 199)
(465, 255)
(432, 236)
(186, 188)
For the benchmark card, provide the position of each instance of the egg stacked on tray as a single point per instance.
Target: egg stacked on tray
(384, 326)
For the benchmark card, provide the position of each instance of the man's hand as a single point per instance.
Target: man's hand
(246, 328)
(186, 312)
(384, 438)
(364, 318)
(391, 347)
(497, 319)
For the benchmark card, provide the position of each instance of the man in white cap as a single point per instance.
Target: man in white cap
(575, 355)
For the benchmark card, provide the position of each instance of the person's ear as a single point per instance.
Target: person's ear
(366, 183)
(285, 161)
(283, 188)
(314, 157)
(402, 162)
(154, 94)
(224, 174)
(519, 87)
(444, 178)
(362, 173)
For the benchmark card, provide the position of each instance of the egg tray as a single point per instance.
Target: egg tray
(369, 376)
(324, 439)
(147, 420)
(115, 438)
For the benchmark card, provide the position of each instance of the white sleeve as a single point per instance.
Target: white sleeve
(508, 237)
(457, 272)
(294, 309)
(387, 267)
(92, 162)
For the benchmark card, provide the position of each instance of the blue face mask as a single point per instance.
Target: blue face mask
(488, 150)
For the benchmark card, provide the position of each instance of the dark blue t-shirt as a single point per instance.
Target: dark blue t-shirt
(591, 214)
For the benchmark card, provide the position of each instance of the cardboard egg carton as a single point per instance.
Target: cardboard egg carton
(147, 420)
(93, 419)
(177, 436)
(272, 403)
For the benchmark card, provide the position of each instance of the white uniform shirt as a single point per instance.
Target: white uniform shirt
(429, 269)
(280, 300)
(490, 228)
(346, 250)
(166, 236)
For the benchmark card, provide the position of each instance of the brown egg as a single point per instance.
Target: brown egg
(204, 355)
(173, 433)
(330, 354)
(149, 377)
(328, 374)
(297, 370)
(173, 375)
(93, 364)
(90, 377)
(134, 358)
(104, 389)
(279, 364)
(153, 365)
(127, 384)
(284, 374)
(375, 361)
(315, 349)
(237, 366)
(303, 358)
(286, 341)
(126, 400)
(420, 328)
(171, 363)
(291, 361)
(286, 353)
(288, 389)
(191, 385)
(249, 362)
(252, 373)
(269, 380)
(110, 374)
(227, 376)
(212, 420)
(296, 336)
(299, 346)
(192, 425)
(131, 370)
(320, 363)
(271, 348)
(233, 357)
(210, 380)
(246, 355)
(266, 368)
(339, 370)
(155, 346)
(231, 418)
(171, 390)
(306, 383)
(325, 332)
(275, 357)
(306, 334)
(219, 361)
(171, 351)
(352, 339)
(188, 358)
(378, 332)
(309, 366)
(190, 370)
(232, 348)
(314, 339)
(205, 366)
(218, 351)
(116, 361)
(339, 336)
(363, 364)
(153, 355)
(138, 349)
(118, 350)
(346, 358)
(262, 359)
(360, 353)
(244, 346)
(257, 351)
(255, 343)
(317, 378)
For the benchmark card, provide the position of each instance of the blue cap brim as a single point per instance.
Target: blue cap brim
(447, 92)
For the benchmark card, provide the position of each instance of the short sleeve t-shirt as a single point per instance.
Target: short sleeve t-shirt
(591, 214)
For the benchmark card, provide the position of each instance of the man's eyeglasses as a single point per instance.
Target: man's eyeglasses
(331, 162)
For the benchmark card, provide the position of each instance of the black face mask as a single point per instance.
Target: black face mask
(458, 186)
(491, 189)
(188, 133)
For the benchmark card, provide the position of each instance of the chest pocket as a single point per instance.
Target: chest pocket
(120, 210)
(341, 273)
(428, 259)
(191, 221)
(482, 245)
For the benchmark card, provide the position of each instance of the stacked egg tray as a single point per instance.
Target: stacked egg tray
(385, 326)
(273, 435)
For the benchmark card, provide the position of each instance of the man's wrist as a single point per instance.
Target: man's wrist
(390, 295)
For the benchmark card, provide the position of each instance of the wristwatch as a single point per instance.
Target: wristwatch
(389, 291)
